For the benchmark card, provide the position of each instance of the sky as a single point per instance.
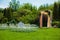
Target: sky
(37, 3)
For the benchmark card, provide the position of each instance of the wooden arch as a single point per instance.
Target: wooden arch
(49, 16)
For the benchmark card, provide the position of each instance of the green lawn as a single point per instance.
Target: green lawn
(40, 34)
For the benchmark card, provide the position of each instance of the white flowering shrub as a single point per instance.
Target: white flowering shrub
(19, 28)
(3, 26)
(24, 29)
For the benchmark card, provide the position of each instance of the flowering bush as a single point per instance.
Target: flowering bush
(24, 29)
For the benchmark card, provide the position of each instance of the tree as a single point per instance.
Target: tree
(46, 7)
(8, 13)
(27, 13)
(14, 5)
(1, 10)
(55, 12)
(59, 9)
(1, 15)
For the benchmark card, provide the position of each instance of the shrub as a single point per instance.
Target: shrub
(56, 24)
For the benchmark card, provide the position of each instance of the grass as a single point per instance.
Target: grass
(40, 34)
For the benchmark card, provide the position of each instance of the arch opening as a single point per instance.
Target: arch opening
(45, 20)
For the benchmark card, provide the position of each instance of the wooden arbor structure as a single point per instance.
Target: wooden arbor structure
(45, 18)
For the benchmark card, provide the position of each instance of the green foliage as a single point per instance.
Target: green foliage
(8, 13)
(59, 11)
(4, 20)
(14, 14)
(45, 7)
(1, 15)
(55, 11)
(1, 10)
(56, 23)
(27, 13)
(14, 4)
(59, 25)
(26, 16)
(27, 6)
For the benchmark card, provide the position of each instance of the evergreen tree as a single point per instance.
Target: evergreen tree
(55, 12)
(8, 13)
(59, 8)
